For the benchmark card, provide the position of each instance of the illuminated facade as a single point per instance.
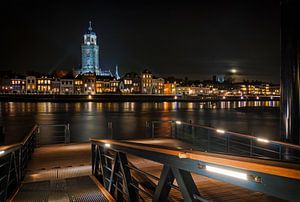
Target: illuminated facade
(106, 84)
(131, 83)
(158, 85)
(146, 82)
(17, 85)
(67, 85)
(89, 83)
(43, 85)
(55, 86)
(78, 85)
(90, 53)
(170, 88)
(30, 84)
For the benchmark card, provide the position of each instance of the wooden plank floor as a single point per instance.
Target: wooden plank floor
(79, 156)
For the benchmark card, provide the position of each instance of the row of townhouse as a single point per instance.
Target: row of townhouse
(82, 84)
(146, 83)
(132, 83)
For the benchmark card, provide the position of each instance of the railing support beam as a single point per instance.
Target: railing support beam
(164, 185)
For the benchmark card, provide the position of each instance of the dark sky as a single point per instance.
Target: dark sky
(187, 38)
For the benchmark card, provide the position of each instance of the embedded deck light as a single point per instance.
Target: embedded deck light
(227, 172)
(178, 122)
(262, 140)
(107, 145)
(220, 131)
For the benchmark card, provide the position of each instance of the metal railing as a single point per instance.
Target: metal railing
(14, 158)
(60, 134)
(221, 141)
(13, 161)
(126, 182)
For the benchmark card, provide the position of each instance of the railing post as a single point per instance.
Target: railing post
(193, 134)
(38, 136)
(110, 128)
(152, 129)
(280, 151)
(228, 143)
(68, 133)
(208, 140)
(251, 147)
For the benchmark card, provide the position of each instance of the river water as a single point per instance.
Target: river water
(128, 119)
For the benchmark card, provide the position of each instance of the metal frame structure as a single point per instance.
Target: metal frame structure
(111, 167)
(61, 134)
(14, 158)
(220, 141)
(13, 161)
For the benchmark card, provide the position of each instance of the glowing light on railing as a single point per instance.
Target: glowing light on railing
(220, 131)
(2, 152)
(227, 172)
(175, 97)
(89, 97)
(257, 97)
(224, 97)
(262, 140)
(178, 122)
(107, 145)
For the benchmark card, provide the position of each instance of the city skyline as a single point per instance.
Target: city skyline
(178, 40)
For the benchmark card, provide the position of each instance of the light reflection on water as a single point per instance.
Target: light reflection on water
(89, 119)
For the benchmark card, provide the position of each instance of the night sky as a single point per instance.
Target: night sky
(187, 38)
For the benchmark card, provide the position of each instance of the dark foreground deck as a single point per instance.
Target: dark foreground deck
(70, 189)
(63, 173)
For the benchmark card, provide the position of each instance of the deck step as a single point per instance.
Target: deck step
(81, 189)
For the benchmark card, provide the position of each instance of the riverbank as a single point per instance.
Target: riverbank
(123, 98)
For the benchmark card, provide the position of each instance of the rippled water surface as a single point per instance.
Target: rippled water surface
(90, 119)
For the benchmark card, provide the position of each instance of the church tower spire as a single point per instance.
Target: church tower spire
(117, 73)
(90, 52)
(90, 27)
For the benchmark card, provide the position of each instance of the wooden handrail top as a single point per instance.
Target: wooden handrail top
(283, 169)
(12, 147)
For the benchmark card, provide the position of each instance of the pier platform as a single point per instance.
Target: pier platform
(59, 168)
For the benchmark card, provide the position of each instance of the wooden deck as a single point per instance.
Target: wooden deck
(53, 162)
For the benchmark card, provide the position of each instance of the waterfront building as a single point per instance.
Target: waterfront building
(78, 85)
(30, 84)
(55, 86)
(114, 85)
(255, 88)
(157, 85)
(106, 84)
(43, 84)
(131, 83)
(89, 83)
(146, 82)
(193, 90)
(170, 87)
(67, 85)
(17, 84)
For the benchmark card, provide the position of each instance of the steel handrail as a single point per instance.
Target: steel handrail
(259, 175)
(233, 133)
(16, 146)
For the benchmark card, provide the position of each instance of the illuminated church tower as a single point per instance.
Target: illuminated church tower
(90, 53)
